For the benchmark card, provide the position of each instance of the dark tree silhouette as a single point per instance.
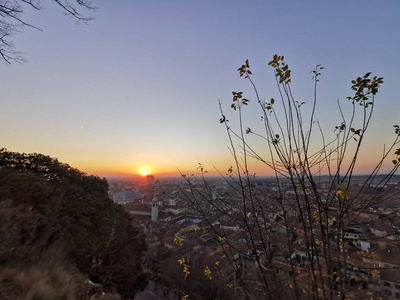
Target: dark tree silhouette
(46, 205)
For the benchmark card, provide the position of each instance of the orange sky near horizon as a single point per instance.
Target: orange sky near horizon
(365, 165)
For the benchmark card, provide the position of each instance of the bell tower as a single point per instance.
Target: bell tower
(154, 210)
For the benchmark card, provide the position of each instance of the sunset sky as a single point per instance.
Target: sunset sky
(138, 87)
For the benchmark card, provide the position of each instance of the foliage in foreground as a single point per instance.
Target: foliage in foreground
(50, 211)
(289, 237)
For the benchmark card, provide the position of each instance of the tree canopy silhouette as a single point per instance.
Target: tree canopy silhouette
(46, 205)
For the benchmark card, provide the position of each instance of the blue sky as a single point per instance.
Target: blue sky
(139, 86)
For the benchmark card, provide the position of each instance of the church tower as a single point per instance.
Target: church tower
(154, 210)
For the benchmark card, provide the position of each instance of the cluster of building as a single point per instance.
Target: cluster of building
(233, 243)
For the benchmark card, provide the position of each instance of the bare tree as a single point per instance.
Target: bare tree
(312, 202)
(12, 21)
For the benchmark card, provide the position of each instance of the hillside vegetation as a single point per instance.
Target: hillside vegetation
(59, 229)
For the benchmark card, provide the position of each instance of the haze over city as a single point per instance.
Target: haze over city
(137, 89)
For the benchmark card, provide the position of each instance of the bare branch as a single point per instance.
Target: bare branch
(12, 22)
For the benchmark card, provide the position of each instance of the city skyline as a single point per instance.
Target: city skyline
(138, 88)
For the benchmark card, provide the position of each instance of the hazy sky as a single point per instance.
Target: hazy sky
(139, 86)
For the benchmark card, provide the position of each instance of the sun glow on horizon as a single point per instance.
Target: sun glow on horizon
(144, 171)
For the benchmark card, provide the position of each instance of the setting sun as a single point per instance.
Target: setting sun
(144, 171)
